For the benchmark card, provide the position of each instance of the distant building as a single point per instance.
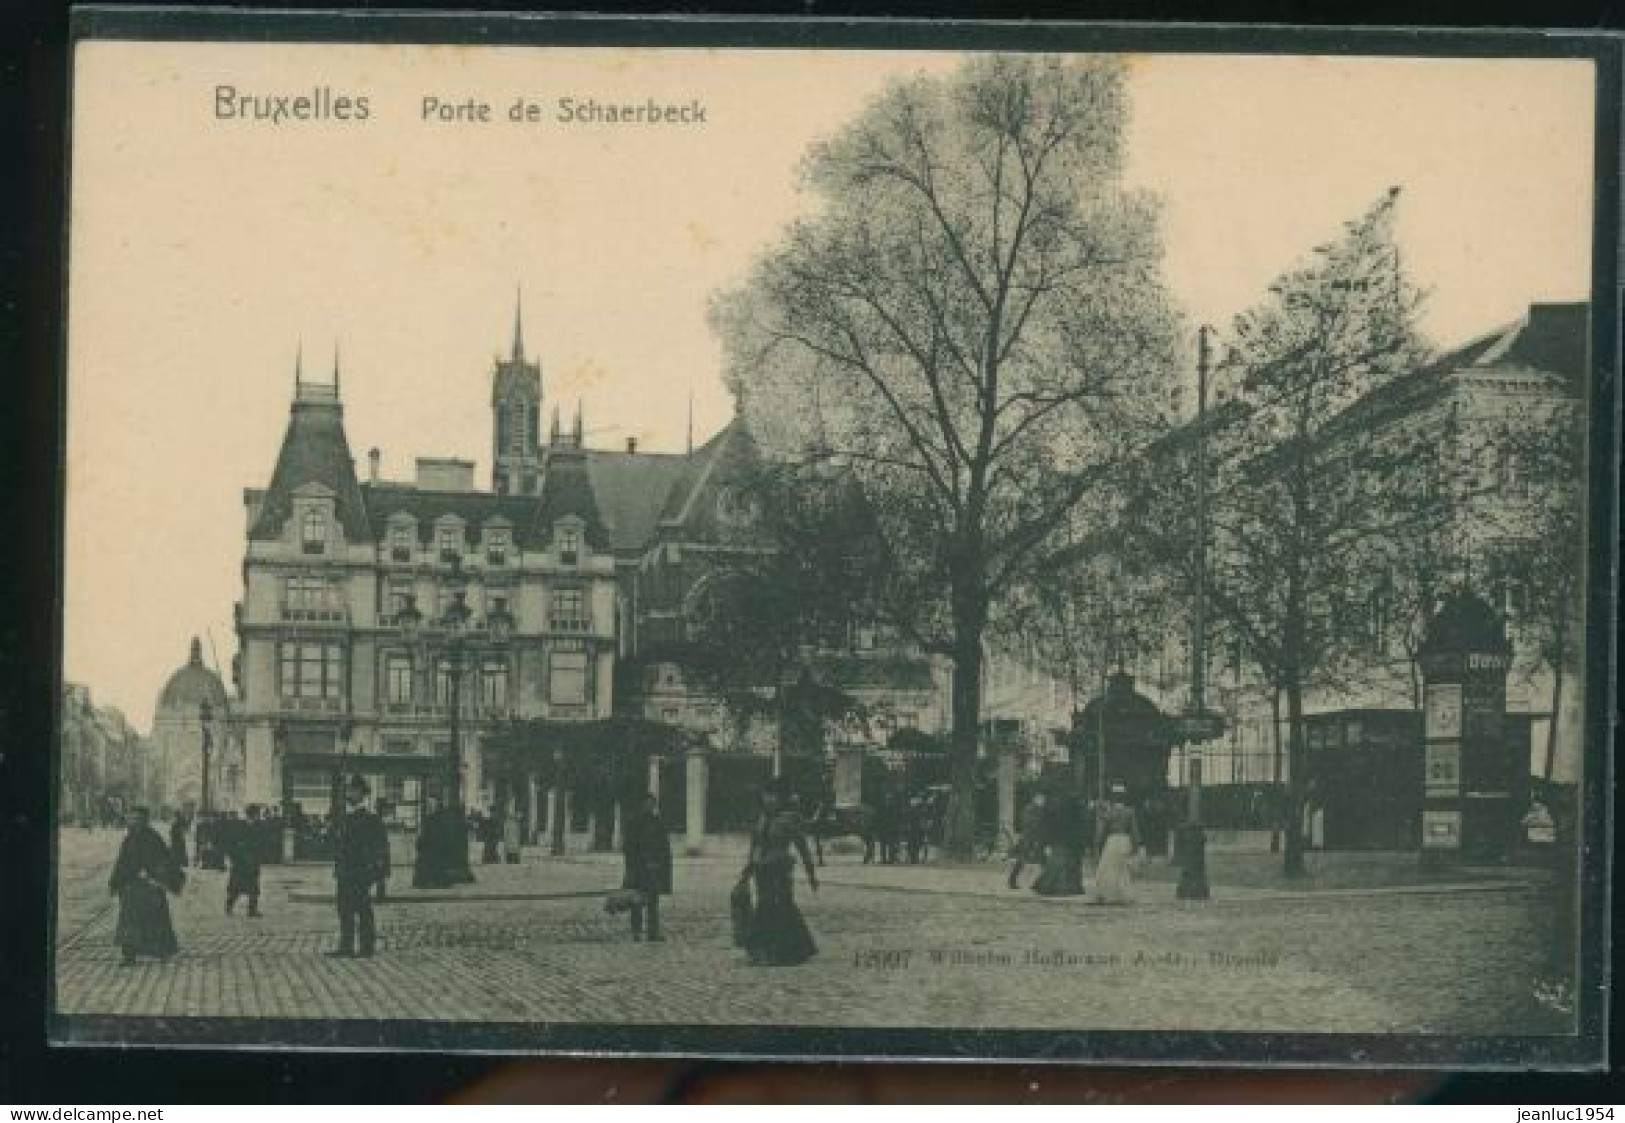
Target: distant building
(105, 766)
(177, 737)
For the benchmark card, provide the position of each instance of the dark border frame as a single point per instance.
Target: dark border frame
(1586, 1050)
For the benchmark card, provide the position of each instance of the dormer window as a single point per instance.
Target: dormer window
(450, 548)
(313, 532)
(400, 543)
(496, 547)
(569, 545)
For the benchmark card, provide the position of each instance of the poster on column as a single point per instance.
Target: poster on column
(704, 494)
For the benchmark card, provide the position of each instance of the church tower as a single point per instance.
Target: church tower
(516, 409)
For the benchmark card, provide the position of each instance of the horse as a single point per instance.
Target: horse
(857, 821)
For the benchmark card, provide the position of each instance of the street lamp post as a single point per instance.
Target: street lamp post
(205, 715)
(453, 622)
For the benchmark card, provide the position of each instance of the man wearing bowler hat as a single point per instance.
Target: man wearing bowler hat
(360, 858)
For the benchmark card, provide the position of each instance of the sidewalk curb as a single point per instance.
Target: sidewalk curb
(309, 897)
(1219, 898)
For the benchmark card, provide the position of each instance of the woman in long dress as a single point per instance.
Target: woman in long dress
(1117, 835)
(777, 935)
(143, 874)
(1062, 875)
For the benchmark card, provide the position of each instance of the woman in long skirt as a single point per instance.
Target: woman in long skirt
(1062, 875)
(777, 935)
(1117, 841)
(142, 876)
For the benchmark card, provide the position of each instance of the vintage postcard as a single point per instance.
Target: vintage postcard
(770, 538)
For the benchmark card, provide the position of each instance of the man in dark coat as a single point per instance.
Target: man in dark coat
(1029, 838)
(242, 846)
(144, 872)
(428, 869)
(647, 850)
(177, 840)
(360, 853)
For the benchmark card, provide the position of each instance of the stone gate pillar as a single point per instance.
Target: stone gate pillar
(1471, 772)
(1007, 789)
(698, 777)
(848, 775)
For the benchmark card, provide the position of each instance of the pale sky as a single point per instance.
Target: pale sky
(204, 251)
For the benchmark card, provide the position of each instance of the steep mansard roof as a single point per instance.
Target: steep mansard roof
(631, 489)
(622, 497)
(314, 450)
(385, 501)
(566, 490)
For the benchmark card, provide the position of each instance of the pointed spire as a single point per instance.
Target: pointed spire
(335, 368)
(195, 659)
(580, 431)
(556, 431)
(518, 324)
(298, 367)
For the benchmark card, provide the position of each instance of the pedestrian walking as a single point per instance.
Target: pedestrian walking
(427, 871)
(489, 832)
(777, 934)
(916, 823)
(646, 848)
(241, 843)
(1118, 836)
(1062, 875)
(144, 873)
(360, 850)
(177, 840)
(208, 837)
(1029, 838)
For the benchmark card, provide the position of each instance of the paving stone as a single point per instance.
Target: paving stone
(1444, 962)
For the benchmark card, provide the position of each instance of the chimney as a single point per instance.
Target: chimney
(373, 457)
(631, 444)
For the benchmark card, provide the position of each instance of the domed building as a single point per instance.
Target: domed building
(194, 697)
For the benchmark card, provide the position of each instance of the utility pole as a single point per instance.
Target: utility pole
(1192, 840)
(1199, 645)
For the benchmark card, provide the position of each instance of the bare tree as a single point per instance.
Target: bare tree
(975, 323)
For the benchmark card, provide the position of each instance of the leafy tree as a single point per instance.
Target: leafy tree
(816, 574)
(1306, 481)
(975, 325)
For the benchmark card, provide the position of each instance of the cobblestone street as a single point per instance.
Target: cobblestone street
(899, 947)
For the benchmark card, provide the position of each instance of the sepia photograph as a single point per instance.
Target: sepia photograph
(967, 546)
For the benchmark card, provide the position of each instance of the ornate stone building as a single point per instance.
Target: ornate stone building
(369, 606)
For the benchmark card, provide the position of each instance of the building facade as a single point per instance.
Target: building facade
(105, 766)
(1476, 403)
(372, 609)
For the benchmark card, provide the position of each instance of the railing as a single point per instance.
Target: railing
(313, 705)
(314, 614)
(471, 709)
(570, 624)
